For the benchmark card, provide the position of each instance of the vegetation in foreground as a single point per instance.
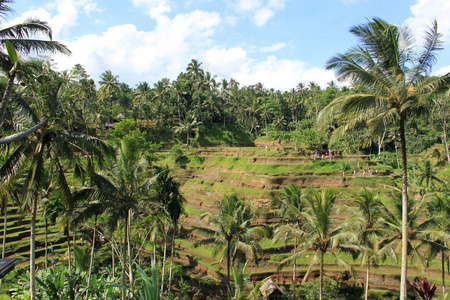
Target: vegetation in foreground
(87, 160)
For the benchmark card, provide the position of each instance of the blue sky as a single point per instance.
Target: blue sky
(277, 42)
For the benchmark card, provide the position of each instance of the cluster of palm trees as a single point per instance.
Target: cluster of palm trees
(371, 231)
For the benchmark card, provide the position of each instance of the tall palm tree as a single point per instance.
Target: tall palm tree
(109, 88)
(40, 154)
(419, 225)
(320, 231)
(231, 230)
(167, 194)
(292, 205)
(18, 39)
(386, 64)
(370, 227)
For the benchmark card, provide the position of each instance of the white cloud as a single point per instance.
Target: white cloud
(282, 74)
(424, 12)
(154, 8)
(65, 18)
(274, 47)
(259, 11)
(144, 55)
(443, 71)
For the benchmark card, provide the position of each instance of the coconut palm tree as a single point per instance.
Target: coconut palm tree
(386, 64)
(231, 230)
(320, 233)
(109, 89)
(292, 205)
(420, 227)
(428, 174)
(167, 194)
(40, 154)
(438, 207)
(369, 225)
(18, 40)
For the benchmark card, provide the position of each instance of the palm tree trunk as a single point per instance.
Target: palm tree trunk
(68, 249)
(130, 255)
(5, 224)
(112, 260)
(7, 95)
(443, 270)
(124, 256)
(404, 268)
(171, 263)
(367, 280)
(321, 276)
(163, 271)
(33, 248)
(228, 261)
(46, 240)
(445, 139)
(295, 269)
(91, 262)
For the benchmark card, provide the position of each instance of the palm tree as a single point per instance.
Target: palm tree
(369, 222)
(419, 227)
(167, 194)
(189, 125)
(292, 206)
(109, 88)
(231, 230)
(428, 174)
(319, 230)
(438, 206)
(386, 65)
(19, 38)
(40, 154)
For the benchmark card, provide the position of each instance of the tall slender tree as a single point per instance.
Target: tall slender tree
(386, 64)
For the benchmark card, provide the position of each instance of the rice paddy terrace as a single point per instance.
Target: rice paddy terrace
(259, 174)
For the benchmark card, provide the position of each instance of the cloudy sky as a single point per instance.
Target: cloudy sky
(277, 42)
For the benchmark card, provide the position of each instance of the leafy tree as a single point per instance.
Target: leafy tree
(231, 230)
(428, 174)
(320, 231)
(386, 64)
(292, 205)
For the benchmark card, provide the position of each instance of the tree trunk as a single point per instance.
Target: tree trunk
(130, 255)
(112, 260)
(171, 263)
(228, 261)
(46, 240)
(124, 256)
(367, 280)
(321, 276)
(91, 262)
(404, 268)
(295, 269)
(7, 96)
(443, 270)
(163, 271)
(445, 139)
(33, 248)
(5, 224)
(68, 249)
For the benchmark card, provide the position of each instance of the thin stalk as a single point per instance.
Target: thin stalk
(5, 215)
(91, 262)
(404, 267)
(33, 248)
(163, 271)
(172, 250)
(367, 280)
